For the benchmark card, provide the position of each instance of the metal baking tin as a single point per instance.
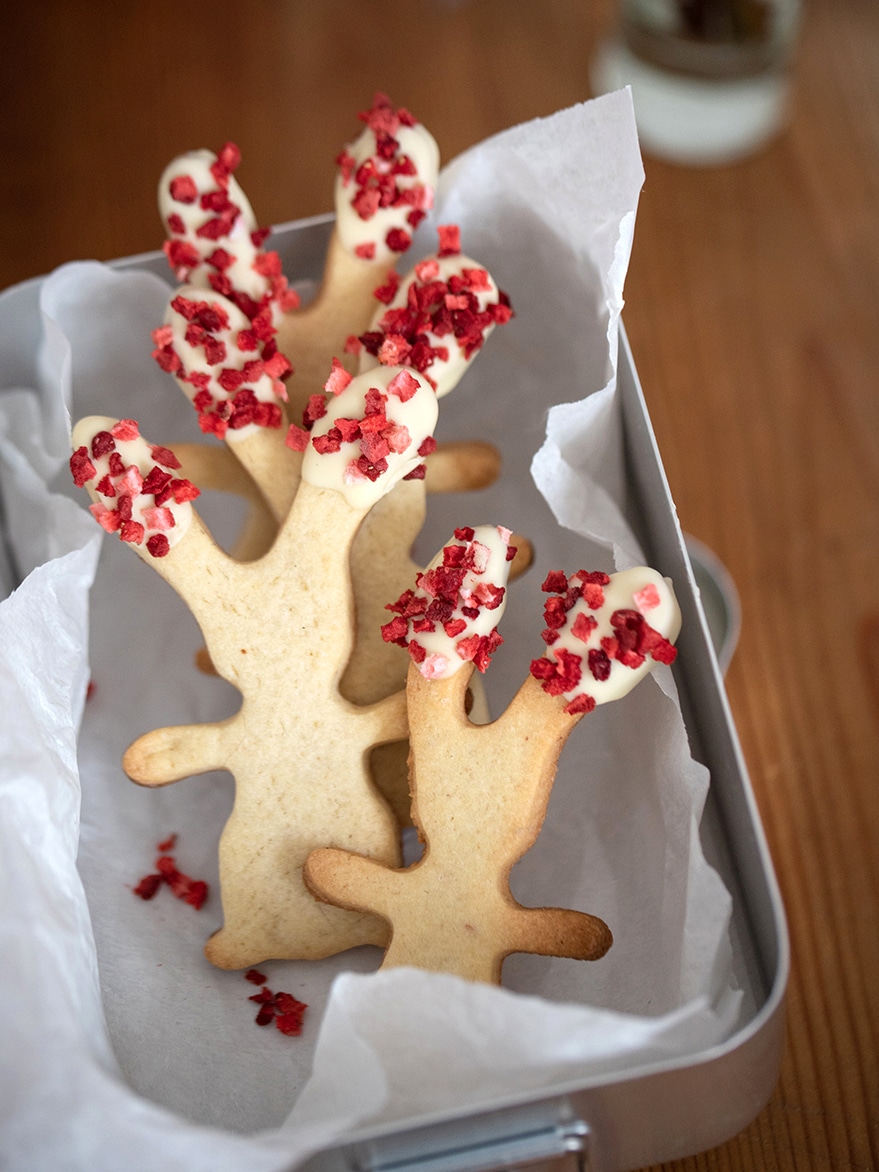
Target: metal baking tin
(665, 1110)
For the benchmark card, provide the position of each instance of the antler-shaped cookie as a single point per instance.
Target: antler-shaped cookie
(480, 791)
(280, 629)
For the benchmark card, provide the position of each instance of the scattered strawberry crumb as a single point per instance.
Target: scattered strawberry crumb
(283, 1009)
(191, 891)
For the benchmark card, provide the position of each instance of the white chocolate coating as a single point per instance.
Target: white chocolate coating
(452, 615)
(238, 243)
(417, 144)
(139, 459)
(411, 422)
(194, 356)
(443, 372)
(641, 590)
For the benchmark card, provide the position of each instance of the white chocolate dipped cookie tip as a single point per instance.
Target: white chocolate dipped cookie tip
(228, 366)
(604, 633)
(437, 318)
(375, 430)
(385, 183)
(213, 238)
(134, 491)
(451, 616)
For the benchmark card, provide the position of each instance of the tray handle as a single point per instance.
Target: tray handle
(562, 1147)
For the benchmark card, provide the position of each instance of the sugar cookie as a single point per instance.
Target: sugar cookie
(480, 792)
(280, 629)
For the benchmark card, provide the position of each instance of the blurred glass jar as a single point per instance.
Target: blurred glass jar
(710, 78)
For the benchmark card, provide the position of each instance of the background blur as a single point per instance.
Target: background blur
(752, 313)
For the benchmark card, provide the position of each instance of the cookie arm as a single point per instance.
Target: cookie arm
(552, 931)
(170, 754)
(351, 881)
(387, 718)
(462, 466)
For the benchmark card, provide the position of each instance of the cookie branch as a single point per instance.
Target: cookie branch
(232, 372)
(435, 321)
(480, 792)
(384, 187)
(214, 242)
(217, 468)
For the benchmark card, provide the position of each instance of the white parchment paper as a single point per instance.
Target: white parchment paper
(121, 1046)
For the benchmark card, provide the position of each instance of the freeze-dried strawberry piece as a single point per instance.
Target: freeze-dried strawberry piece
(158, 518)
(158, 545)
(556, 582)
(156, 480)
(290, 1014)
(339, 378)
(164, 456)
(488, 644)
(599, 663)
(181, 255)
(184, 490)
(315, 408)
(387, 292)
(583, 626)
(417, 651)
(558, 676)
(285, 1010)
(297, 438)
(555, 612)
(647, 599)
(449, 239)
(277, 365)
(397, 240)
(183, 189)
(331, 442)
(148, 886)
(81, 467)
(581, 704)
(663, 651)
(593, 593)
(125, 429)
(394, 350)
(192, 891)
(132, 532)
(102, 444)
(396, 630)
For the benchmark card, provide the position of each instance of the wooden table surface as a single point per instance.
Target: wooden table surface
(753, 313)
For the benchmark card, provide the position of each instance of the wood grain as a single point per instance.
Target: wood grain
(752, 311)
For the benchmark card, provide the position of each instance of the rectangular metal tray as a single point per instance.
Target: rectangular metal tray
(665, 1110)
